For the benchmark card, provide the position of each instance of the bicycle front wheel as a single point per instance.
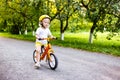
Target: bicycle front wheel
(53, 61)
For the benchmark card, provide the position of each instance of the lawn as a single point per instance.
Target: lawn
(80, 41)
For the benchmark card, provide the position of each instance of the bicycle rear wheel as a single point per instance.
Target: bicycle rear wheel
(34, 56)
(53, 62)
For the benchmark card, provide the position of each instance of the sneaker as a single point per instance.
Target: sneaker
(37, 65)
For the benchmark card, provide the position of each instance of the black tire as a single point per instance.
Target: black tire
(54, 63)
(34, 56)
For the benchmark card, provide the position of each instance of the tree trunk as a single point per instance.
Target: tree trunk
(33, 33)
(90, 38)
(91, 32)
(20, 32)
(61, 30)
(26, 31)
(62, 36)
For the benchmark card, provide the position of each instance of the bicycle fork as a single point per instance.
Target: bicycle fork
(48, 57)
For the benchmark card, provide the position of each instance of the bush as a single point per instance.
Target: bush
(14, 29)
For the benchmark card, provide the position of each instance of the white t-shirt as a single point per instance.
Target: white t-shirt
(43, 33)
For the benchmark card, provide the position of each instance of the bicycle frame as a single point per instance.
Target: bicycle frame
(47, 50)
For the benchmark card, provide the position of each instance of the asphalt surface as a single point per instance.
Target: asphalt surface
(16, 63)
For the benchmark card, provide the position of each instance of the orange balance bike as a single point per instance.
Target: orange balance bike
(47, 53)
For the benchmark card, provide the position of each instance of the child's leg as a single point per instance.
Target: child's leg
(38, 50)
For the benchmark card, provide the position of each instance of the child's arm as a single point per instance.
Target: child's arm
(37, 37)
(50, 34)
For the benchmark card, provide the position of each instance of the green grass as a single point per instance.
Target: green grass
(80, 41)
(101, 44)
(20, 37)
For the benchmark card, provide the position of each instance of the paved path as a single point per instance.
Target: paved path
(16, 63)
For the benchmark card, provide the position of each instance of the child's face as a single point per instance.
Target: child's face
(45, 22)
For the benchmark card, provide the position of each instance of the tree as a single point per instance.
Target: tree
(15, 15)
(96, 11)
(65, 10)
(22, 14)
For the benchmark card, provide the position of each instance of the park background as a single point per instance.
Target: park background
(92, 25)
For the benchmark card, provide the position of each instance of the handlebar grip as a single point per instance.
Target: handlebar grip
(40, 39)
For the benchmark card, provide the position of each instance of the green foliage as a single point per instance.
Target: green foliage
(74, 15)
(55, 25)
(79, 24)
(104, 14)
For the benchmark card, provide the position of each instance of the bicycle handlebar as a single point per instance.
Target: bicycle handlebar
(54, 38)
